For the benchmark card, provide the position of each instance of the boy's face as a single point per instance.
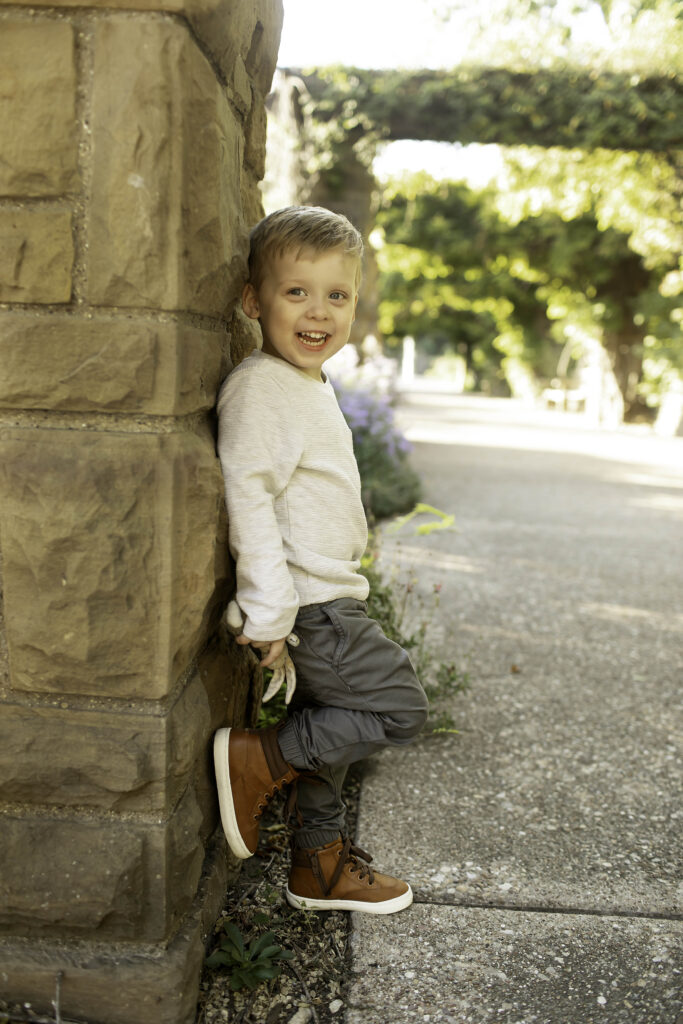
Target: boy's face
(306, 305)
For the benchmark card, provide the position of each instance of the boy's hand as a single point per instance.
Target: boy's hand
(271, 649)
(275, 654)
(276, 657)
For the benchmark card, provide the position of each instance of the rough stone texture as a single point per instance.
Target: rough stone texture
(100, 530)
(165, 146)
(451, 965)
(65, 362)
(237, 34)
(38, 138)
(100, 877)
(241, 37)
(126, 198)
(122, 984)
(245, 335)
(132, 762)
(36, 255)
(255, 152)
(4, 659)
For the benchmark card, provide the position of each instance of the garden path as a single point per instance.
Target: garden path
(542, 839)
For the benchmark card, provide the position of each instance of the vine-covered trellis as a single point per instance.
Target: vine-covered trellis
(575, 108)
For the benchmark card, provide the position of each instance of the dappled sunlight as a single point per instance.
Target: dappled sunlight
(621, 614)
(511, 424)
(659, 503)
(652, 480)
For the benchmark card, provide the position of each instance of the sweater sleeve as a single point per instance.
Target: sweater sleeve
(259, 447)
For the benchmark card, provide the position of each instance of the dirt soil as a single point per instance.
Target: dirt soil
(310, 987)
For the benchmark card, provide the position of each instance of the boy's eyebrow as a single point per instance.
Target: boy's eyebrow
(335, 286)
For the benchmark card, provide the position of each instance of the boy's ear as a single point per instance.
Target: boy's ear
(250, 303)
(355, 304)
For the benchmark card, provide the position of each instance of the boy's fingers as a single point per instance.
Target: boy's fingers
(276, 649)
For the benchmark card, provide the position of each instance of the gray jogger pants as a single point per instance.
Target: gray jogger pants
(356, 693)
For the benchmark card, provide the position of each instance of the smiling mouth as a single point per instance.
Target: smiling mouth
(313, 339)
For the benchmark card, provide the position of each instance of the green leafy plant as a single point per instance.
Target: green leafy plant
(249, 965)
(441, 520)
(276, 709)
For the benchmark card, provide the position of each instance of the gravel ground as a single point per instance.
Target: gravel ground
(310, 987)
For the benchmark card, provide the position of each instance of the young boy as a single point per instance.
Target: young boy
(297, 532)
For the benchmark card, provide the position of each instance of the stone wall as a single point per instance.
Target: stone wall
(132, 141)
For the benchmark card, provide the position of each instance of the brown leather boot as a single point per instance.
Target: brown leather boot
(250, 769)
(338, 876)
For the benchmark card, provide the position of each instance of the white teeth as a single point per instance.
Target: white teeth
(313, 338)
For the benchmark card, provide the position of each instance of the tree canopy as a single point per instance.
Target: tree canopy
(578, 243)
(575, 248)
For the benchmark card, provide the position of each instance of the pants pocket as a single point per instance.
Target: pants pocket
(321, 634)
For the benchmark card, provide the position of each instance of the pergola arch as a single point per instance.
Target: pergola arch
(341, 114)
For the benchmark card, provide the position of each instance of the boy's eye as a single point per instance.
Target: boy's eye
(338, 295)
(295, 291)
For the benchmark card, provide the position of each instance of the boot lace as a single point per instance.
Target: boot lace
(359, 862)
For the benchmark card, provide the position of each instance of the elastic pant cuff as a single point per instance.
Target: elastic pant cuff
(289, 746)
(311, 838)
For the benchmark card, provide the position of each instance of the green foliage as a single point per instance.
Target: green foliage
(276, 709)
(248, 966)
(524, 73)
(522, 34)
(572, 247)
(440, 520)
(563, 106)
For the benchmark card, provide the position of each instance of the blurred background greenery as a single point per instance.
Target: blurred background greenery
(517, 168)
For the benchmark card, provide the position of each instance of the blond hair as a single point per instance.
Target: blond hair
(299, 228)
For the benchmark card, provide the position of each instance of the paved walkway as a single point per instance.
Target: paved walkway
(543, 841)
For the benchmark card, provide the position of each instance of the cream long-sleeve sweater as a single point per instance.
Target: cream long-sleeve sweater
(297, 528)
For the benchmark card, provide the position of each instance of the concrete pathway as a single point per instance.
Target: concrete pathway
(543, 842)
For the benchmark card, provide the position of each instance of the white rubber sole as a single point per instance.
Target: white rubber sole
(221, 743)
(386, 907)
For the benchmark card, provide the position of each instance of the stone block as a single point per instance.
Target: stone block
(36, 255)
(167, 157)
(241, 87)
(121, 984)
(255, 149)
(129, 761)
(38, 138)
(4, 659)
(71, 757)
(110, 558)
(229, 29)
(64, 362)
(99, 877)
(250, 31)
